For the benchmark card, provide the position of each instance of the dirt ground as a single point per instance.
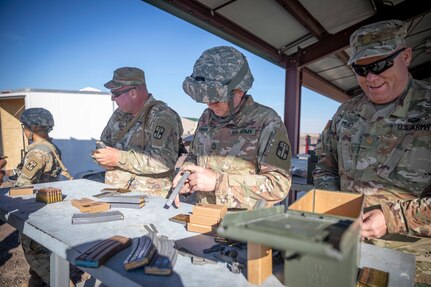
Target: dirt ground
(13, 266)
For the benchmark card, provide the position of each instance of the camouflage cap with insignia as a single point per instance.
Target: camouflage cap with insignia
(377, 39)
(126, 76)
(37, 117)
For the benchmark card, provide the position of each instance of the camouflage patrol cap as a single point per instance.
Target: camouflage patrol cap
(37, 117)
(216, 73)
(126, 76)
(377, 39)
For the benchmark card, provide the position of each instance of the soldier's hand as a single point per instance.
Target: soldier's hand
(373, 224)
(201, 179)
(107, 157)
(184, 190)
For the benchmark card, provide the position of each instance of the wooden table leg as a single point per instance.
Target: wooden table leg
(259, 263)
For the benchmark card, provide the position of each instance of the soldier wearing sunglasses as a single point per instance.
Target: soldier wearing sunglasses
(379, 144)
(141, 141)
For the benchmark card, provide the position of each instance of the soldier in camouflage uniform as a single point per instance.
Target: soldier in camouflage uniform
(41, 164)
(379, 144)
(142, 137)
(240, 152)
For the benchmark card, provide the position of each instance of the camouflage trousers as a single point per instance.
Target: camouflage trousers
(421, 248)
(37, 256)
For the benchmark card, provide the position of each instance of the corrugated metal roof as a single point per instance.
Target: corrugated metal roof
(279, 29)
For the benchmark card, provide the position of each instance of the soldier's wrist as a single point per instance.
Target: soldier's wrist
(122, 159)
(219, 179)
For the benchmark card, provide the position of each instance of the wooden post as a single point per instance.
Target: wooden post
(259, 263)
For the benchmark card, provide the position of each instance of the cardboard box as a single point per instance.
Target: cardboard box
(343, 271)
(330, 202)
(210, 210)
(23, 190)
(319, 234)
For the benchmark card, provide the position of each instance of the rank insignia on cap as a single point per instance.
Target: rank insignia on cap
(282, 150)
(158, 132)
(31, 165)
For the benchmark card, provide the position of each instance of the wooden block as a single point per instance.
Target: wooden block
(200, 228)
(87, 205)
(204, 220)
(23, 190)
(95, 207)
(210, 210)
(78, 203)
(259, 263)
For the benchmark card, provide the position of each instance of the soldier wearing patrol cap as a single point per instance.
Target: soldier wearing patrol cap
(240, 151)
(42, 163)
(379, 144)
(142, 137)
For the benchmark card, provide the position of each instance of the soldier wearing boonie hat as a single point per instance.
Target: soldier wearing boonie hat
(41, 163)
(240, 151)
(143, 137)
(379, 144)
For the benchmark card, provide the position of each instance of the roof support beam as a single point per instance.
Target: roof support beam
(322, 86)
(295, 8)
(292, 104)
(406, 10)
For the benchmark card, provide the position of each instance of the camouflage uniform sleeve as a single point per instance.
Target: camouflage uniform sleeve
(408, 216)
(33, 167)
(273, 179)
(326, 174)
(161, 152)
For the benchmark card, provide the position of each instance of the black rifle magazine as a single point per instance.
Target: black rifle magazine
(164, 260)
(143, 249)
(99, 253)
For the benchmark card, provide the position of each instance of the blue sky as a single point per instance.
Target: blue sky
(69, 45)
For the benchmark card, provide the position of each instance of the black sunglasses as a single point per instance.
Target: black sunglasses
(376, 67)
(116, 93)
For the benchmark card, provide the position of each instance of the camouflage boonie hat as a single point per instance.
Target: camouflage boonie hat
(37, 117)
(126, 76)
(377, 39)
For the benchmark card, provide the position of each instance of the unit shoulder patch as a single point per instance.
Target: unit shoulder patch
(31, 165)
(158, 132)
(282, 150)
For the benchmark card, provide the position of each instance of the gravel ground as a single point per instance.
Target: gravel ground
(13, 266)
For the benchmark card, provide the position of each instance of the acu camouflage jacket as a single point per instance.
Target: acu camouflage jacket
(384, 154)
(39, 164)
(250, 152)
(148, 151)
